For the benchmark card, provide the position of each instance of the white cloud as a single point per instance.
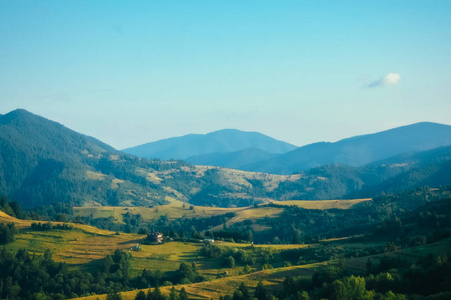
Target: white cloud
(390, 79)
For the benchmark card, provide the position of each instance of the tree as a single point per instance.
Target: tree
(302, 295)
(349, 288)
(244, 290)
(260, 292)
(7, 233)
(141, 296)
(107, 263)
(114, 296)
(183, 294)
(173, 294)
(247, 269)
(230, 262)
(157, 295)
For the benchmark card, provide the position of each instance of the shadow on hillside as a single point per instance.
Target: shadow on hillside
(137, 241)
(91, 267)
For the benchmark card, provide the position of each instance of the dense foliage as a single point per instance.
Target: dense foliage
(42, 162)
(398, 217)
(28, 276)
(392, 279)
(7, 232)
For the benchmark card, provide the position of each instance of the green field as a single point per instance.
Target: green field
(177, 209)
(85, 246)
(174, 210)
(274, 278)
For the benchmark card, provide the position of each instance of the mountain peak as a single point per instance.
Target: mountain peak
(221, 141)
(19, 113)
(360, 150)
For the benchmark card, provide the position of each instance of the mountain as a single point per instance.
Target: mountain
(232, 160)
(359, 150)
(403, 172)
(42, 162)
(222, 141)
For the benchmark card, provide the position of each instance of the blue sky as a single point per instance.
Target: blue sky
(131, 72)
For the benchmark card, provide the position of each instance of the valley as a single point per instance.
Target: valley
(225, 150)
(82, 212)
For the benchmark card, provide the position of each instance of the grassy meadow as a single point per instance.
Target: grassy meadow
(177, 209)
(273, 278)
(174, 210)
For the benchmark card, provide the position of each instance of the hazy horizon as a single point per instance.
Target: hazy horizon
(298, 71)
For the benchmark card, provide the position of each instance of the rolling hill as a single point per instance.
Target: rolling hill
(359, 150)
(43, 162)
(403, 172)
(222, 141)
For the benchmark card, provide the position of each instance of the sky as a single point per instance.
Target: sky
(132, 72)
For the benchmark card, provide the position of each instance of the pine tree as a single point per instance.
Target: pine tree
(183, 294)
(173, 294)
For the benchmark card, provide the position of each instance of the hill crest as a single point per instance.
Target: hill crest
(221, 141)
(359, 150)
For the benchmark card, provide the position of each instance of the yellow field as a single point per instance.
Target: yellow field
(84, 246)
(270, 181)
(323, 204)
(173, 210)
(177, 209)
(274, 278)
(251, 213)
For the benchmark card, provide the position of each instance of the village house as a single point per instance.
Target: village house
(155, 237)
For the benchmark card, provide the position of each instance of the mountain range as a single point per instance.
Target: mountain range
(193, 146)
(358, 150)
(250, 151)
(42, 162)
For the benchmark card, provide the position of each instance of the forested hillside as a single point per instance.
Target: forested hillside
(43, 162)
(359, 150)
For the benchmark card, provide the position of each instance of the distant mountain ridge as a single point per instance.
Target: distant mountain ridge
(43, 162)
(222, 141)
(233, 160)
(358, 150)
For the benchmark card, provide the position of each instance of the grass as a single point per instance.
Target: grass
(174, 210)
(323, 204)
(84, 246)
(177, 209)
(273, 278)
